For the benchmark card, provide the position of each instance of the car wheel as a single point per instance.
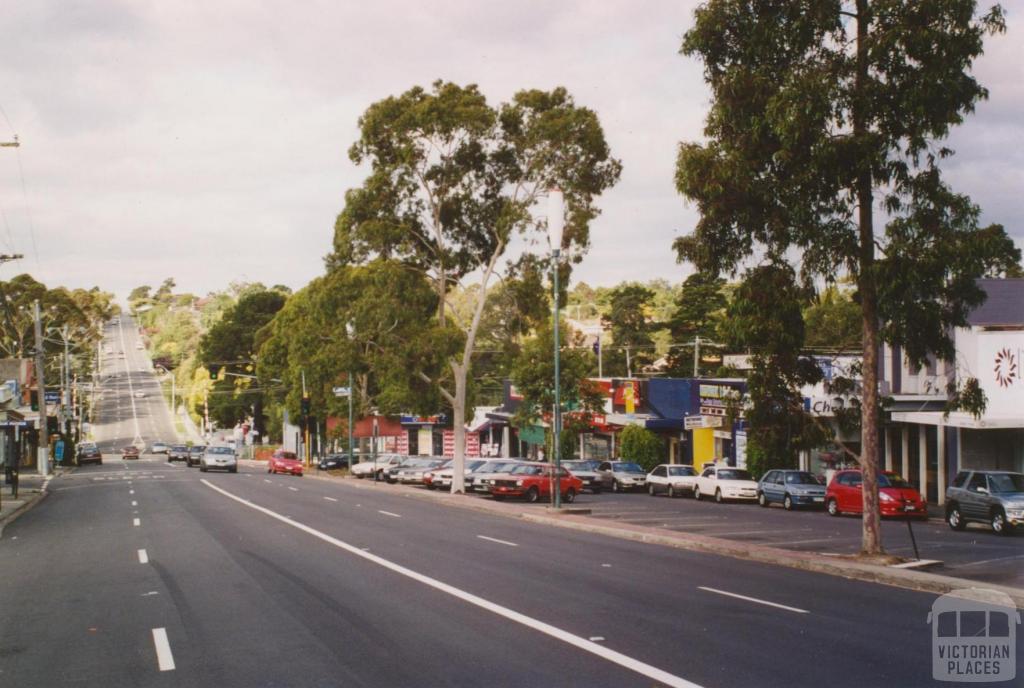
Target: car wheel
(616, 487)
(718, 496)
(532, 495)
(761, 499)
(570, 496)
(954, 518)
(696, 492)
(650, 489)
(787, 503)
(998, 522)
(671, 491)
(833, 508)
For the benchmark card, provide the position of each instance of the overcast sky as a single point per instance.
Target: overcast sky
(207, 140)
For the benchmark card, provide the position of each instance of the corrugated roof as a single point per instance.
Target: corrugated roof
(1004, 305)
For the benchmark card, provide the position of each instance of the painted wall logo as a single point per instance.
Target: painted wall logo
(974, 636)
(1005, 367)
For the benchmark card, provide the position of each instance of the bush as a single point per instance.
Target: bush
(642, 446)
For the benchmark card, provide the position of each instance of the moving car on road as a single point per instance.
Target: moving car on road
(89, 451)
(195, 453)
(283, 461)
(672, 479)
(533, 481)
(177, 452)
(896, 497)
(130, 452)
(791, 489)
(992, 497)
(725, 482)
(593, 479)
(158, 447)
(219, 456)
(624, 475)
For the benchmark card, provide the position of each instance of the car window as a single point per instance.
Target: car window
(708, 472)
(605, 466)
(800, 478)
(660, 471)
(960, 479)
(733, 474)
(1001, 483)
(681, 470)
(977, 480)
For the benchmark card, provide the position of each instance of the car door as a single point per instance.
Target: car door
(975, 504)
(770, 486)
(659, 479)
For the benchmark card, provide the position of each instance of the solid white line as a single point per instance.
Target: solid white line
(143, 557)
(753, 599)
(388, 513)
(330, 499)
(500, 542)
(547, 629)
(136, 522)
(164, 658)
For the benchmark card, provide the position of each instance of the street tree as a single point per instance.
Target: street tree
(828, 117)
(453, 183)
(699, 308)
(833, 321)
(630, 325)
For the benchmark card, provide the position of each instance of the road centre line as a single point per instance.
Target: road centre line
(134, 503)
(500, 542)
(136, 522)
(293, 489)
(540, 626)
(753, 599)
(268, 481)
(330, 499)
(143, 557)
(388, 513)
(164, 658)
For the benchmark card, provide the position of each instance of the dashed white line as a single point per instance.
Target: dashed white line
(500, 542)
(584, 644)
(136, 522)
(293, 489)
(268, 481)
(164, 658)
(143, 557)
(388, 513)
(753, 599)
(134, 503)
(330, 499)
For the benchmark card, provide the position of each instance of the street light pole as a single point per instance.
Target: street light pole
(43, 452)
(350, 329)
(556, 226)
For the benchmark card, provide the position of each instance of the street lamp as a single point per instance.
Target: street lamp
(350, 329)
(556, 227)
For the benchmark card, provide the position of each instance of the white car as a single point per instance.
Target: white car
(725, 482)
(365, 469)
(672, 479)
(442, 477)
(219, 456)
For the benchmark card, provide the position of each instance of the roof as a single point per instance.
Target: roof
(1004, 305)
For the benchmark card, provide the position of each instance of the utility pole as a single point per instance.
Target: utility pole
(696, 356)
(43, 453)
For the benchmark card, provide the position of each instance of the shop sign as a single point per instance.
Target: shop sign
(741, 448)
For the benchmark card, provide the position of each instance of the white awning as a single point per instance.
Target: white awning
(958, 420)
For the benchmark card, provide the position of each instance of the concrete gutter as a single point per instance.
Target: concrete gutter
(844, 567)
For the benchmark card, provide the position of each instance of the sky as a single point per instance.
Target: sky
(207, 141)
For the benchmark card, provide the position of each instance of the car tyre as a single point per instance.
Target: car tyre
(762, 500)
(718, 497)
(650, 489)
(832, 506)
(532, 495)
(696, 492)
(954, 518)
(998, 522)
(787, 503)
(616, 487)
(570, 496)
(671, 492)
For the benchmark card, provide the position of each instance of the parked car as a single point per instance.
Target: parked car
(587, 471)
(333, 462)
(219, 456)
(177, 452)
(367, 468)
(89, 451)
(624, 475)
(282, 461)
(672, 479)
(158, 447)
(130, 452)
(791, 489)
(413, 474)
(533, 481)
(480, 480)
(195, 453)
(725, 482)
(441, 477)
(411, 463)
(992, 497)
(896, 496)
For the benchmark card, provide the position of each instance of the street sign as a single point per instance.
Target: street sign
(693, 422)
(52, 396)
(342, 391)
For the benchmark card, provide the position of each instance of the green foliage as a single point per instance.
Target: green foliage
(699, 309)
(642, 446)
(833, 321)
(630, 326)
(967, 396)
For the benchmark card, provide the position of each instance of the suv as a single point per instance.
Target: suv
(992, 497)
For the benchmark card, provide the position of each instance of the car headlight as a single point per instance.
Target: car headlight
(519, 483)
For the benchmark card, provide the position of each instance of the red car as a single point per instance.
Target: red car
(130, 452)
(896, 496)
(284, 462)
(532, 481)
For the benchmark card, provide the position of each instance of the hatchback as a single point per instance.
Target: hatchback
(896, 497)
(791, 489)
(284, 462)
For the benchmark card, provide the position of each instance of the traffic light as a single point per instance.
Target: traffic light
(214, 371)
(306, 406)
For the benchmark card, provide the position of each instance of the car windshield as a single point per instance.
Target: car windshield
(87, 445)
(179, 447)
(1006, 482)
(527, 470)
(286, 455)
(800, 478)
(681, 470)
(627, 468)
(733, 474)
(893, 481)
(197, 449)
(470, 465)
(221, 450)
(581, 465)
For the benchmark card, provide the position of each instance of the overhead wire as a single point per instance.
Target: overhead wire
(24, 193)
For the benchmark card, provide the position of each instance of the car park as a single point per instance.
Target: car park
(367, 468)
(725, 482)
(282, 461)
(587, 471)
(791, 489)
(623, 475)
(896, 496)
(195, 453)
(130, 452)
(480, 479)
(220, 457)
(671, 479)
(158, 447)
(177, 452)
(533, 481)
(89, 452)
(992, 497)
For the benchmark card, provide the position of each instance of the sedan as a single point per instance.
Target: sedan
(220, 457)
(624, 475)
(725, 482)
(671, 479)
(284, 462)
(158, 447)
(791, 489)
(588, 472)
(333, 462)
(130, 452)
(89, 451)
(177, 452)
(195, 453)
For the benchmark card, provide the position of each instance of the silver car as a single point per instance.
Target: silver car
(220, 457)
(593, 480)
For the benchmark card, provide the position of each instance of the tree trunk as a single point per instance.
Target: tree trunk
(459, 426)
(871, 537)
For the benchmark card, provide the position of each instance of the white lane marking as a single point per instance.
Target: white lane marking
(388, 513)
(136, 522)
(293, 489)
(500, 542)
(753, 599)
(131, 491)
(164, 658)
(268, 481)
(143, 557)
(134, 503)
(597, 638)
(606, 566)
(545, 628)
(330, 499)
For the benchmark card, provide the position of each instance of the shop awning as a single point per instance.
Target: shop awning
(958, 420)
